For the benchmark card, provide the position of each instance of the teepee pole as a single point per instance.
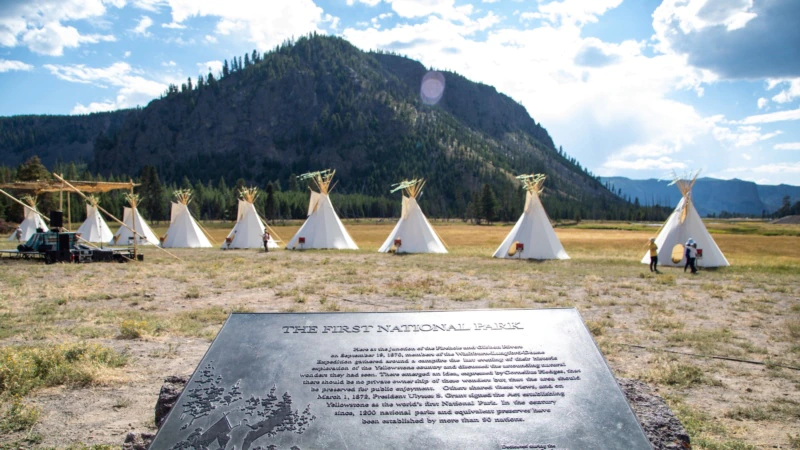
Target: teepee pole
(269, 227)
(24, 205)
(208, 235)
(133, 222)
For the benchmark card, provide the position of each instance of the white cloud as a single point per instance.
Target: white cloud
(332, 21)
(787, 146)
(762, 102)
(143, 25)
(94, 107)
(214, 67)
(610, 114)
(365, 2)
(173, 26)
(127, 54)
(149, 5)
(662, 163)
(266, 25)
(53, 38)
(9, 65)
(572, 12)
(132, 88)
(734, 38)
(38, 25)
(791, 92)
(527, 16)
(411, 9)
(741, 136)
(779, 116)
(773, 168)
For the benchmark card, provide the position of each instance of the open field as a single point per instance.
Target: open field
(84, 348)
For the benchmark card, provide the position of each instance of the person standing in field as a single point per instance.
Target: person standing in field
(693, 255)
(18, 235)
(687, 253)
(653, 255)
(265, 238)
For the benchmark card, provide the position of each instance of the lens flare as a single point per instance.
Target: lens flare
(432, 88)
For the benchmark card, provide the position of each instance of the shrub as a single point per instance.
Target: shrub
(24, 368)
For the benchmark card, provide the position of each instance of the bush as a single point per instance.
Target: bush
(18, 417)
(24, 368)
(132, 329)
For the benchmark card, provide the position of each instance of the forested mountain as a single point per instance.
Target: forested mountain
(320, 102)
(711, 196)
(54, 138)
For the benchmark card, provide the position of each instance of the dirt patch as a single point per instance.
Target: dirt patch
(749, 311)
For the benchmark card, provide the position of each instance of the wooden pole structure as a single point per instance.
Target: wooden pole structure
(133, 216)
(135, 235)
(24, 205)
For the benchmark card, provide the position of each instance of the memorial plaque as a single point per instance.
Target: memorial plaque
(505, 379)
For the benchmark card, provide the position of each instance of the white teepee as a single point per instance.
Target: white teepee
(413, 231)
(183, 231)
(94, 228)
(30, 223)
(249, 229)
(133, 220)
(533, 231)
(322, 228)
(683, 224)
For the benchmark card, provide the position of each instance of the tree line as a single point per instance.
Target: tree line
(218, 200)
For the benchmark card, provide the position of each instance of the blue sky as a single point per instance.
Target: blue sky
(636, 88)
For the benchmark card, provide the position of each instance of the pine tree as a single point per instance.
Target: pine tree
(488, 205)
(270, 204)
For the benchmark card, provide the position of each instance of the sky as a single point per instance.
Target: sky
(635, 88)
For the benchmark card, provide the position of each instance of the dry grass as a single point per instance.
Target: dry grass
(163, 313)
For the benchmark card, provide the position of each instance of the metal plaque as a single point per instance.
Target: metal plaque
(505, 379)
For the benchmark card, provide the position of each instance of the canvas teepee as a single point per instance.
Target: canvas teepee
(133, 220)
(249, 228)
(683, 224)
(533, 236)
(30, 223)
(322, 229)
(413, 232)
(94, 228)
(183, 231)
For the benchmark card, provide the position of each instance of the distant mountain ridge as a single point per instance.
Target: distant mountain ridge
(320, 102)
(711, 195)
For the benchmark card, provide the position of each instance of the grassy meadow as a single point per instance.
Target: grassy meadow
(84, 348)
